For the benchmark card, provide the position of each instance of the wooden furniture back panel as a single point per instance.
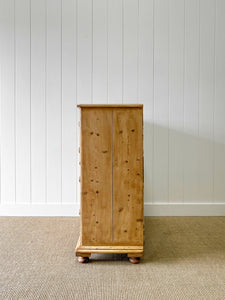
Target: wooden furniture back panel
(96, 176)
(128, 176)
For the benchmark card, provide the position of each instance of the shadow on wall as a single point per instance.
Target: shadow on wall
(172, 238)
(183, 166)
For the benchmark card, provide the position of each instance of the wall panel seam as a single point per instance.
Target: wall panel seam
(14, 103)
(183, 129)
(168, 113)
(30, 111)
(45, 103)
(214, 102)
(61, 104)
(153, 103)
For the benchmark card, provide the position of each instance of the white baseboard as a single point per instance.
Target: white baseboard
(184, 209)
(150, 209)
(42, 210)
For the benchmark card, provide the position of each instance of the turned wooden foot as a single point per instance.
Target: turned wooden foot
(82, 259)
(134, 260)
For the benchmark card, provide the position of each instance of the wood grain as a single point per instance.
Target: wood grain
(82, 250)
(96, 176)
(127, 177)
(111, 180)
(124, 250)
(110, 105)
(112, 247)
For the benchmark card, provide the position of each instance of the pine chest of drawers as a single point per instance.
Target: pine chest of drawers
(111, 158)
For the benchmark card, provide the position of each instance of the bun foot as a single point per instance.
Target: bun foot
(83, 260)
(134, 260)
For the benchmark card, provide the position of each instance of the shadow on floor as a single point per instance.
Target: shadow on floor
(173, 238)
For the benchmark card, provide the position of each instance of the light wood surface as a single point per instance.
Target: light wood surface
(96, 176)
(85, 251)
(127, 177)
(137, 253)
(111, 180)
(110, 105)
(112, 247)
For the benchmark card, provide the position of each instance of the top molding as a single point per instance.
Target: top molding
(109, 105)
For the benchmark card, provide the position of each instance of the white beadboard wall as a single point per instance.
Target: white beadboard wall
(167, 54)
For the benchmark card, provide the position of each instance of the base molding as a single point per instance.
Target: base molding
(150, 209)
(82, 250)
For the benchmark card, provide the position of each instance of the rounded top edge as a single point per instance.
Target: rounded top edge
(110, 105)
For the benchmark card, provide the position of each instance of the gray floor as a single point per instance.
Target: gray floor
(184, 259)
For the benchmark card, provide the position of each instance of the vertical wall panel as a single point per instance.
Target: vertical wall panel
(191, 102)
(84, 39)
(84, 51)
(22, 95)
(219, 116)
(38, 113)
(176, 101)
(145, 87)
(115, 48)
(166, 54)
(69, 146)
(8, 153)
(206, 99)
(100, 57)
(161, 69)
(130, 51)
(54, 101)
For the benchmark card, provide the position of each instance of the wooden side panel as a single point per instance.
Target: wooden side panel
(127, 176)
(96, 176)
